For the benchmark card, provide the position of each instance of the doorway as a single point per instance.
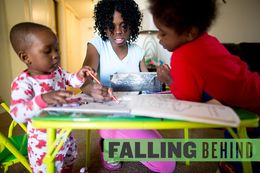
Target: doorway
(74, 29)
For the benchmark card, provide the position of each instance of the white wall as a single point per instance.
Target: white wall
(73, 41)
(12, 12)
(74, 32)
(5, 70)
(87, 32)
(238, 21)
(22, 14)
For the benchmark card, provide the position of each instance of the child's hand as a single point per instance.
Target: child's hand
(56, 97)
(163, 73)
(86, 71)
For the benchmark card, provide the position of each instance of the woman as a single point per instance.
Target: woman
(118, 22)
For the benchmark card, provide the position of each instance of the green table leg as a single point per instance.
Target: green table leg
(87, 148)
(51, 134)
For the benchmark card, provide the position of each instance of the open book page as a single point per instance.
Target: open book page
(86, 104)
(166, 106)
(154, 105)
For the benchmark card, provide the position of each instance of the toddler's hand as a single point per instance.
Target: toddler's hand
(56, 97)
(163, 74)
(86, 71)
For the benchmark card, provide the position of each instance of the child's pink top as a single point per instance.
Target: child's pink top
(204, 65)
(26, 92)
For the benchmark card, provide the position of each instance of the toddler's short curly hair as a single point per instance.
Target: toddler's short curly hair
(19, 34)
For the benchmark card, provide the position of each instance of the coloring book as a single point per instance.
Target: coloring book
(154, 105)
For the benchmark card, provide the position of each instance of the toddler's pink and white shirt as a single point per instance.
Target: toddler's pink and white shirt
(26, 92)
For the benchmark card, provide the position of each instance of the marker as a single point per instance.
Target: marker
(113, 97)
(94, 77)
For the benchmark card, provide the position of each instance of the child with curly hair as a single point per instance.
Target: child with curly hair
(200, 63)
(118, 22)
(42, 84)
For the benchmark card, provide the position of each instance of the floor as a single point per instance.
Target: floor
(129, 167)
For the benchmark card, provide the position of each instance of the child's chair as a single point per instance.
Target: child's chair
(13, 149)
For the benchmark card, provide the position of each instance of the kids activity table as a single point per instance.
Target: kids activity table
(66, 122)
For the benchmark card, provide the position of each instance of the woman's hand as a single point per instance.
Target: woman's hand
(97, 91)
(164, 75)
(56, 97)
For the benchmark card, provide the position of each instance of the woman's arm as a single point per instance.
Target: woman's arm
(92, 57)
(91, 60)
(95, 90)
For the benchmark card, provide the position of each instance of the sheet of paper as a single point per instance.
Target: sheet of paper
(166, 106)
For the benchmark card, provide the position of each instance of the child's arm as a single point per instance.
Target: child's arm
(26, 104)
(77, 80)
(57, 97)
(164, 75)
(143, 66)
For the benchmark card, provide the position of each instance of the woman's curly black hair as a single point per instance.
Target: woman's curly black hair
(103, 16)
(181, 15)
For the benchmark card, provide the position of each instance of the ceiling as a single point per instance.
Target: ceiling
(83, 8)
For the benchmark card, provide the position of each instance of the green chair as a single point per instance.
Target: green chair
(13, 148)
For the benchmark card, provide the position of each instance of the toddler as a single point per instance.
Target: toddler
(42, 84)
